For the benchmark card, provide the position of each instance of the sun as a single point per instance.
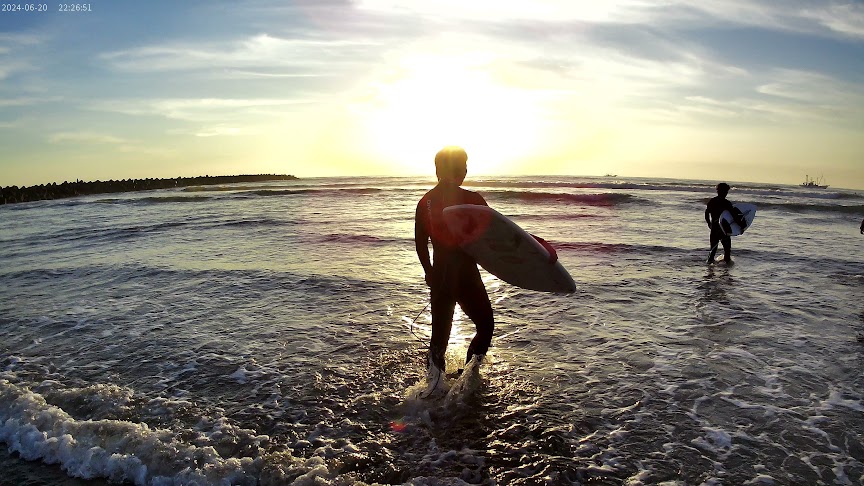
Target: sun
(433, 101)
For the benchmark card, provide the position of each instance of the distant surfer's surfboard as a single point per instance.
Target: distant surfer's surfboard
(727, 221)
(505, 250)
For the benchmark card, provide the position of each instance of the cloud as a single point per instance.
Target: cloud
(118, 144)
(790, 97)
(302, 56)
(24, 101)
(802, 16)
(816, 95)
(217, 131)
(14, 49)
(85, 137)
(507, 10)
(260, 74)
(11, 67)
(21, 39)
(204, 110)
(841, 18)
(845, 19)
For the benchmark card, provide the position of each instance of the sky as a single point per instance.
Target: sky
(723, 90)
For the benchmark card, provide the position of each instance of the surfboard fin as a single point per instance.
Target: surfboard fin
(553, 255)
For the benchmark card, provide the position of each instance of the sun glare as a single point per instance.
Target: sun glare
(436, 101)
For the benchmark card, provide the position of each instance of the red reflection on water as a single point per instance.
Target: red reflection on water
(397, 426)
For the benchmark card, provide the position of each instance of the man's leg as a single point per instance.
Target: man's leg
(727, 248)
(443, 304)
(475, 303)
(714, 239)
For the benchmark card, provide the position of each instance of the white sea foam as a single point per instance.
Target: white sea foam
(836, 400)
(715, 440)
(120, 451)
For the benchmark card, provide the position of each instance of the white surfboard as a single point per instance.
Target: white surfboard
(505, 250)
(727, 221)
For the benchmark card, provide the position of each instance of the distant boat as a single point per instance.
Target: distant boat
(611, 175)
(813, 183)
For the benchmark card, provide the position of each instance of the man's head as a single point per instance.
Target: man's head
(722, 189)
(451, 165)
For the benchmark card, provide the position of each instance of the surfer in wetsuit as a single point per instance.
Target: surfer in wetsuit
(454, 277)
(716, 206)
(862, 226)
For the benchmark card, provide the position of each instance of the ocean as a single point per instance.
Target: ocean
(274, 333)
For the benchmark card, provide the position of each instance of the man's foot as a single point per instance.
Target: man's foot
(433, 360)
(476, 357)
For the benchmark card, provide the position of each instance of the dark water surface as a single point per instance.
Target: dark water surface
(261, 334)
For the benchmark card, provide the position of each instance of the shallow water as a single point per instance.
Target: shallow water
(262, 334)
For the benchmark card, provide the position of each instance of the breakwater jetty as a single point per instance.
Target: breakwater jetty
(15, 194)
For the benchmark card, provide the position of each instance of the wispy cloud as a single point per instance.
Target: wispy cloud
(839, 18)
(218, 131)
(843, 17)
(9, 66)
(116, 144)
(86, 138)
(305, 57)
(14, 52)
(846, 18)
(791, 97)
(205, 110)
(25, 100)
(26, 39)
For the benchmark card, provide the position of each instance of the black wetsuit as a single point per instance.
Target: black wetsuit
(454, 277)
(716, 206)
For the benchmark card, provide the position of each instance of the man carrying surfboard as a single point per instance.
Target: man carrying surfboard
(454, 277)
(715, 208)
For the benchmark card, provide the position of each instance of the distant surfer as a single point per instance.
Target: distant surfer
(454, 277)
(716, 206)
(862, 226)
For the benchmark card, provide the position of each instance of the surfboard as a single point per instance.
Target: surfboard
(505, 250)
(727, 221)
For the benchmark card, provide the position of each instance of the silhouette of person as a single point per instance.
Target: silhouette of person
(862, 226)
(716, 206)
(453, 277)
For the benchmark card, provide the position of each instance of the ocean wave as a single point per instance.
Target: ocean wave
(557, 216)
(292, 192)
(255, 222)
(786, 193)
(617, 248)
(642, 186)
(101, 234)
(604, 199)
(154, 200)
(364, 239)
(237, 188)
(802, 207)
